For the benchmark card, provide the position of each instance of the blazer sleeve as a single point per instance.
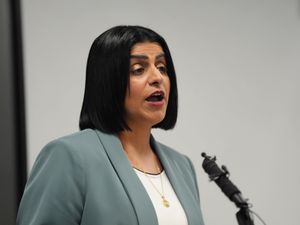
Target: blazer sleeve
(54, 193)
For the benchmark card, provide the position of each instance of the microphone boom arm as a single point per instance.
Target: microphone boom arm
(221, 178)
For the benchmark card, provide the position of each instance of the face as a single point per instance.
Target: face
(149, 85)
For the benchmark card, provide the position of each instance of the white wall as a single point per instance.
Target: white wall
(238, 74)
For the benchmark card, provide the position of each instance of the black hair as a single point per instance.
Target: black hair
(107, 78)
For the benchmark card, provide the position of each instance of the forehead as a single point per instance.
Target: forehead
(146, 48)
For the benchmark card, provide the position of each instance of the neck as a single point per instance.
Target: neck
(136, 141)
(136, 144)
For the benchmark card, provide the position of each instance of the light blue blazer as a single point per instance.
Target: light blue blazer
(86, 179)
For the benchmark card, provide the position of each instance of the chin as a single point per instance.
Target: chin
(157, 120)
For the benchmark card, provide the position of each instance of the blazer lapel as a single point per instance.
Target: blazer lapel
(178, 184)
(137, 194)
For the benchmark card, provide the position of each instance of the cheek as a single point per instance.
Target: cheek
(133, 96)
(135, 93)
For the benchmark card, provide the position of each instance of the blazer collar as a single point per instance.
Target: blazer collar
(179, 185)
(137, 194)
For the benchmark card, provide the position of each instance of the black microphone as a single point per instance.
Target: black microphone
(221, 178)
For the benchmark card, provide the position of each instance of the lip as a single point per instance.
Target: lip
(157, 92)
(157, 103)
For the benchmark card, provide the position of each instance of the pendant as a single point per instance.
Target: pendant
(165, 202)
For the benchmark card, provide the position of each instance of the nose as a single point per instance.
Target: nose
(155, 78)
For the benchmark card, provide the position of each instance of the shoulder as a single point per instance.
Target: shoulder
(57, 174)
(73, 142)
(173, 154)
(66, 156)
(176, 157)
(77, 139)
(72, 148)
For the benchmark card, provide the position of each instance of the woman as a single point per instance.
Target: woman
(113, 171)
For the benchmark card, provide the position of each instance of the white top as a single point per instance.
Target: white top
(174, 214)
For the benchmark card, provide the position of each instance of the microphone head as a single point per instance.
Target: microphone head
(211, 168)
(219, 175)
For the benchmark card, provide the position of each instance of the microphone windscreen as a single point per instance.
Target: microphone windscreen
(218, 175)
(227, 187)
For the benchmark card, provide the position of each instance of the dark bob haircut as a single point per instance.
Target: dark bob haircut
(107, 79)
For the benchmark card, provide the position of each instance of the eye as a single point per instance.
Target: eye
(137, 70)
(162, 69)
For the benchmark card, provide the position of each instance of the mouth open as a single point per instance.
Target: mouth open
(156, 97)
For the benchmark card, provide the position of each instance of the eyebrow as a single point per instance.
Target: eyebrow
(144, 57)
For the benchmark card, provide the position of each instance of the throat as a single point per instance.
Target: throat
(146, 163)
(136, 141)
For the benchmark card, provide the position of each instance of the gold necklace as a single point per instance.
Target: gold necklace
(165, 202)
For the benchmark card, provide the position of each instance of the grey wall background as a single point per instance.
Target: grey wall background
(238, 73)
